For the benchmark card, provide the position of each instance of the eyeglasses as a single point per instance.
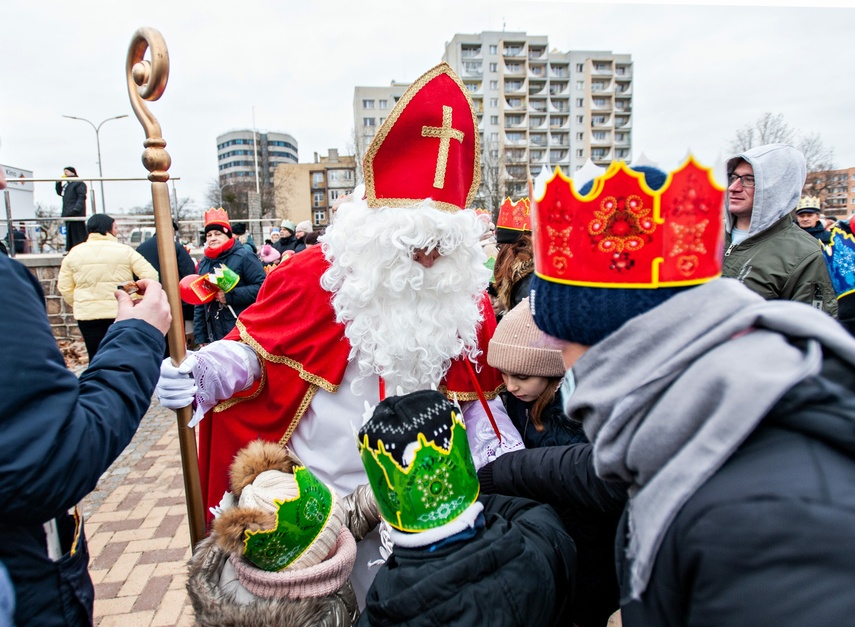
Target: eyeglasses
(747, 180)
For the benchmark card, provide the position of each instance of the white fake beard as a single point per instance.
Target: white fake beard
(405, 322)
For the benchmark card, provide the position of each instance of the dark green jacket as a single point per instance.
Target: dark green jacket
(782, 262)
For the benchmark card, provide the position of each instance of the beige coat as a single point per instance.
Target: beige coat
(91, 271)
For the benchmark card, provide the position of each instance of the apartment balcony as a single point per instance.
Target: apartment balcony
(537, 139)
(472, 70)
(623, 121)
(601, 88)
(470, 52)
(536, 121)
(514, 104)
(516, 49)
(536, 88)
(623, 89)
(559, 106)
(512, 124)
(623, 107)
(557, 155)
(515, 139)
(559, 71)
(622, 139)
(538, 157)
(557, 89)
(536, 53)
(559, 122)
(623, 71)
(514, 69)
(516, 156)
(605, 141)
(604, 122)
(517, 172)
(473, 88)
(537, 106)
(599, 155)
(514, 87)
(622, 153)
(559, 139)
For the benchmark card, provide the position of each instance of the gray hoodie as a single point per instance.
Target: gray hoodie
(778, 259)
(779, 176)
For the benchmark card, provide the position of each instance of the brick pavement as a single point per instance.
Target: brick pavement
(139, 541)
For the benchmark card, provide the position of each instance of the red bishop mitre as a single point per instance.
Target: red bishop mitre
(428, 147)
(515, 216)
(625, 235)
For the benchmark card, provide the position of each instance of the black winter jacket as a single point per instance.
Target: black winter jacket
(518, 570)
(558, 429)
(59, 434)
(213, 321)
(73, 198)
(819, 233)
(564, 477)
(767, 540)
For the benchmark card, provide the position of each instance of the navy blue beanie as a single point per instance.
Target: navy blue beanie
(587, 315)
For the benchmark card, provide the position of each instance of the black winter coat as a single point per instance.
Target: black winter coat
(73, 198)
(285, 243)
(213, 321)
(558, 429)
(819, 233)
(767, 540)
(518, 570)
(590, 508)
(59, 434)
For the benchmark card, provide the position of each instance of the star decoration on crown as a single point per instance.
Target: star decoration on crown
(619, 224)
(559, 241)
(688, 238)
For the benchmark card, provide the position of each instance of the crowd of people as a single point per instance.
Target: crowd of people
(659, 423)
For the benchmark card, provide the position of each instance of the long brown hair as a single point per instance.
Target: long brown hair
(513, 262)
(543, 401)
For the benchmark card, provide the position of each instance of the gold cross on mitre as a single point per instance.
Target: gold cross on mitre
(445, 133)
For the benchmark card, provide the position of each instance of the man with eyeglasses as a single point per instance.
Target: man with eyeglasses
(764, 248)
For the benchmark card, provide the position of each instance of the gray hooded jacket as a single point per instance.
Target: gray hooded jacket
(778, 259)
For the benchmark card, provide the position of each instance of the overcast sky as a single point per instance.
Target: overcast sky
(700, 73)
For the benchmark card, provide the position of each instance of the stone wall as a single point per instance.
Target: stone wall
(46, 269)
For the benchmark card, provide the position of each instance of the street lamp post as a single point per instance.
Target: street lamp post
(98, 143)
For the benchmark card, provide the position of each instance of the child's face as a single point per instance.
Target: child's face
(524, 387)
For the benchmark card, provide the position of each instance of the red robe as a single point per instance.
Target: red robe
(301, 347)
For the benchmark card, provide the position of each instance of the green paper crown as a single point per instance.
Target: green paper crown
(299, 522)
(224, 277)
(436, 487)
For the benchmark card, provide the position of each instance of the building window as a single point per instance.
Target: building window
(494, 84)
(317, 179)
(320, 217)
(580, 153)
(494, 67)
(580, 67)
(494, 137)
(600, 135)
(384, 104)
(368, 122)
(335, 194)
(580, 102)
(580, 137)
(599, 119)
(494, 49)
(494, 119)
(494, 154)
(580, 85)
(580, 119)
(494, 102)
(473, 67)
(367, 104)
(318, 199)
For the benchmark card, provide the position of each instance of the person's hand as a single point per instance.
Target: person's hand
(152, 308)
(176, 387)
(221, 297)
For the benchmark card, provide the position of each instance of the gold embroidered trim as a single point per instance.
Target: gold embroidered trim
(470, 396)
(445, 133)
(231, 402)
(281, 359)
(386, 127)
(304, 405)
(78, 528)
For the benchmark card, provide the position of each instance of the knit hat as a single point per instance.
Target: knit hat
(604, 260)
(71, 169)
(239, 228)
(285, 518)
(519, 347)
(304, 226)
(417, 459)
(287, 224)
(217, 220)
(269, 254)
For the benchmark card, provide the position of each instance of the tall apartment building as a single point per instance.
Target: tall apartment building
(307, 191)
(238, 155)
(836, 191)
(371, 105)
(542, 108)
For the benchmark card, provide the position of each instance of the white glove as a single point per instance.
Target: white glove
(176, 387)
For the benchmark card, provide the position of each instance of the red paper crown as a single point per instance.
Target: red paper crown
(515, 216)
(217, 216)
(625, 235)
(428, 147)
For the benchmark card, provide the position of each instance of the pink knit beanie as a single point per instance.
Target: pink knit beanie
(519, 347)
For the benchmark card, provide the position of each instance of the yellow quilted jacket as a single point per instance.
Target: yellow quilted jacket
(91, 271)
